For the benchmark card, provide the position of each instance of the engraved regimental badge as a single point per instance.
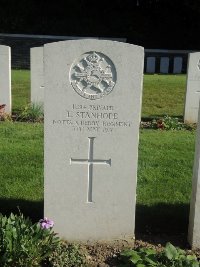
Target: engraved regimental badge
(93, 75)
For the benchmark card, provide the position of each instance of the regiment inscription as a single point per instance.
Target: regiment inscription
(92, 118)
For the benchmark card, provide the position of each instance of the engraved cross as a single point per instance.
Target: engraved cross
(90, 161)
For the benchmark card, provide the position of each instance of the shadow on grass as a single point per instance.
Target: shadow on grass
(31, 209)
(162, 218)
(156, 219)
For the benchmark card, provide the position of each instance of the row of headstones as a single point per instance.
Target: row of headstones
(92, 98)
(192, 91)
(37, 79)
(164, 65)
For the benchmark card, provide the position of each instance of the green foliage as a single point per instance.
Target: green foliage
(23, 243)
(32, 112)
(170, 257)
(3, 115)
(139, 258)
(66, 255)
(177, 257)
(170, 123)
(167, 123)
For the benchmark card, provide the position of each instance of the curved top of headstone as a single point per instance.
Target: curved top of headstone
(93, 42)
(94, 66)
(193, 70)
(4, 49)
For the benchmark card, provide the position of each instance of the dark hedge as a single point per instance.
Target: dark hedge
(170, 24)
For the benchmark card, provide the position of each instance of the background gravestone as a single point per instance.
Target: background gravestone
(37, 75)
(194, 221)
(151, 65)
(5, 77)
(92, 116)
(177, 67)
(193, 89)
(164, 65)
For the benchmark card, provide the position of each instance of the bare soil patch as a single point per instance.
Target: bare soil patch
(102, 254)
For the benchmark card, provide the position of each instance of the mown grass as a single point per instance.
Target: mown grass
(164, 175)
(164, 168)
(162, 94)
(21, 168)
(164, 180)
(20, 89)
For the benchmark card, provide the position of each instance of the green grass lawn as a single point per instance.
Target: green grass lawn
(21, 168)
(20, 89)
(162, 94)
(164, 180)
(164, 175)
(164, 169)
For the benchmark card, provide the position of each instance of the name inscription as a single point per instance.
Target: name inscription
(92, 118)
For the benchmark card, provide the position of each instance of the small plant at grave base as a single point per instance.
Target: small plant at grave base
(168, 123)
(66, 255)
(140, 258)
(23, 243)
(46, 223)
(3, 115)
(172, 256)
(32, 112)
(169, 257)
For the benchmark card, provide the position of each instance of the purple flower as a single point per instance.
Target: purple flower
(46, 223)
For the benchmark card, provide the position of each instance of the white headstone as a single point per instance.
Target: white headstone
(5, 77)
(178, 63)
(164, 65)
(151, 65)
(92, 114)
(193, 89)
(194, 221)
(37, 75)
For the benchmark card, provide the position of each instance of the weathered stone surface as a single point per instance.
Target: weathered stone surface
(193, 89)
(5, 77)
(93, 95)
